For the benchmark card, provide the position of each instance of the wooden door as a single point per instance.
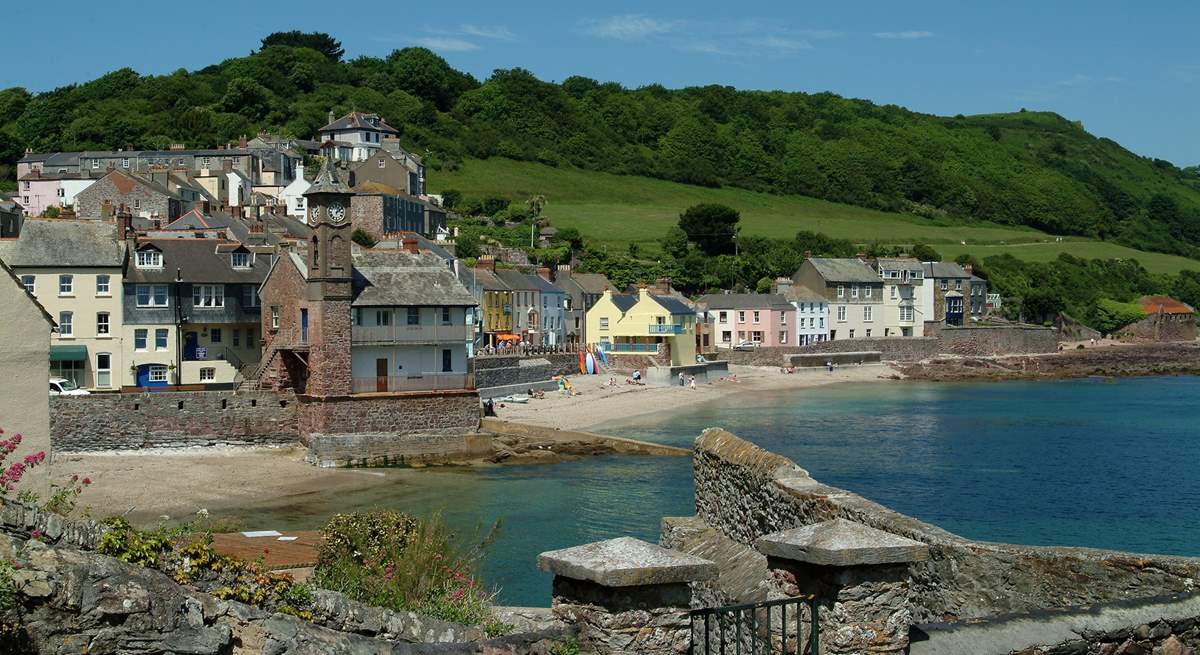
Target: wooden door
(381, 374)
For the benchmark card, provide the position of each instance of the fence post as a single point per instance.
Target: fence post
(861, 570)
(626, 595)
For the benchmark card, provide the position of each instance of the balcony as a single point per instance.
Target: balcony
(422, 382)
(362, 334)
(631, 348)
(666, 328)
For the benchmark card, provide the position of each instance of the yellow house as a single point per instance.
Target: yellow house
(637, 324)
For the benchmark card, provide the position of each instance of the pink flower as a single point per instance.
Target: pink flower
(36, 534)
(87, 481)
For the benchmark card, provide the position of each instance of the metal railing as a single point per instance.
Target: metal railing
(786, 626)
(666, 328)
(422, 382)
(631, 348)
(411, 333)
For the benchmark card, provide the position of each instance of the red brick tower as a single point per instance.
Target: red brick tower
(329, 285)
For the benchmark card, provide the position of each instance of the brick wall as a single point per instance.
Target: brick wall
(173, 419)
(389, 428)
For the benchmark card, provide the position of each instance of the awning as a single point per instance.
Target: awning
(71, 353)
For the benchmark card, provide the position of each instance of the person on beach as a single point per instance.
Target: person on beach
(681, 378)
(692, 382)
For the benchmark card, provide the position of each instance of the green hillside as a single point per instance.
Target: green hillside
(616, 209)
(1022, 170)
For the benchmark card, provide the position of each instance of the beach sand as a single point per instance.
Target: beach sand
(598, 403)
(176, 483)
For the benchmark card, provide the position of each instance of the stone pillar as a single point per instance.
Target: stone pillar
(626, 595)
(859, 577)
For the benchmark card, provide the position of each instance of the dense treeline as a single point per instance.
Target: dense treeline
(1026, 168)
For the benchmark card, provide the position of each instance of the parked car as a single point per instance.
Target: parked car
(65, 387)
(747, 345)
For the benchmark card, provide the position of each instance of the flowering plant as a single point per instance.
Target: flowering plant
(10, 475)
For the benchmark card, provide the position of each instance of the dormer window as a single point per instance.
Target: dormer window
(149, 259)
(241, 259)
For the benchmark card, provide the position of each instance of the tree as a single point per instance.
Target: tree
(319, 41)
(571, 237)
(451, 198)
(675, 242)
(712, 227)
(363, 238)
(247, 97)
(924, 253)
(1042, 304)
(1112, 315)
(535, 204)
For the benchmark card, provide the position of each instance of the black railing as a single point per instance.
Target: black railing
(787, 626)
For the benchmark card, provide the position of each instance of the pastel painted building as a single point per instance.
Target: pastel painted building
(812, 311)
(766, 319)
(642, 324)
(903, 287)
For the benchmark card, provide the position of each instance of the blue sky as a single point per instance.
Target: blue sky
(1130, 71)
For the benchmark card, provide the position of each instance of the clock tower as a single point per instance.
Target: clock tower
(329, 285)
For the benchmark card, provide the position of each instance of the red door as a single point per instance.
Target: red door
(381, 375)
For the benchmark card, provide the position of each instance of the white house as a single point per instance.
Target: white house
(355, 136)
(240, 188)
(293, 194)
(812, 311)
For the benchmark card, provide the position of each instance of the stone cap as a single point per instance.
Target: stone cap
(626, 562)
(841, 543)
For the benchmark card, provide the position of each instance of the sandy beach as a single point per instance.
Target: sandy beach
(597, 400)
(151, 484)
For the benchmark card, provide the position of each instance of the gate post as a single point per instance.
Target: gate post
(858, 576)
(626, 595)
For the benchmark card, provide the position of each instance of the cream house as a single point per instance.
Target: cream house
(74, 269)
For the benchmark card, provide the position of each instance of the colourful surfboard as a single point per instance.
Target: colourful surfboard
(582, 362)
(591, 364)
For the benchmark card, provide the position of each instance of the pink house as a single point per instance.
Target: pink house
(38, 190)
(765, 318)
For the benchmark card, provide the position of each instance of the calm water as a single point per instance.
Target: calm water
(1110, 464)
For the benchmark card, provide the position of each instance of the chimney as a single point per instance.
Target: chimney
(299, 170)
(409, 244)
(236, 212)
(808, 254)
(969, 269)
(161, 176)
(242, 141)
(486, 262)
(332, 117)
(124, 224)
(544, 273)
(642, 291)
(37, 172)
(564, 268)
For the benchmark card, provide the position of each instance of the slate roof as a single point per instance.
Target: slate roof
(388, 278)
(489, 280)
(34, 176)
(1151, 304)
(7, 204)
(423, 244)
(544, 285)
(328, 180)
(360, 121)
(197, 260)
(51, 160)
(801, 293)
(516, 280)
(844, 270)
(591, 282)
(124, 182)
(62, 243)
(940, 270)
(899, 264)
(626, 301)
(745, 301)
(197, 220)
(5, 271)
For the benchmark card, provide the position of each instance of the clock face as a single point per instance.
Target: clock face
(313, 214)
(337, 213)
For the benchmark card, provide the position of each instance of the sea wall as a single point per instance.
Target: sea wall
(890, 349)
(1161, 327)
(666, 376)
(1104, 361)
(743, 492)
(385, 429)
(172, 419)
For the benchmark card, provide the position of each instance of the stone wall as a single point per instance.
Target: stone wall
(524, 370)
(666, 376)
(370, 429)
(172, 419)
(1161, 327)
(961, 578)
(1144, 359)
(983, 340)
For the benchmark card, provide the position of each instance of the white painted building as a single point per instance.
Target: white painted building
(355, 136)
(903, 285)
(293, 194)
(812, 311)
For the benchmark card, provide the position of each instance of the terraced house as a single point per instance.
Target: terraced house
(903, 283)
(763, 319)
(74, 270)
(191, 308)
(495, 300)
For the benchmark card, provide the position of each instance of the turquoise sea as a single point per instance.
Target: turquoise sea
(1092, 462)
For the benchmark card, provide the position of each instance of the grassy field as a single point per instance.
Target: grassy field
(616, 210)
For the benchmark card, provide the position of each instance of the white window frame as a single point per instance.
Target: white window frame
(208, 374)
(66, 324)
(103, 374)
(103, 285)
(867, 291)
(868, 313)
(30, 284)
(741, 316)
(841, 313)
(66, 285)
(274, 317)
(841, 291)
(603, 322)
(244, 256)
(152, 295)
(158, 373)
(103, 324)
(756, 316)
(854, 291)
(162, 339)
(208, 296)
(149, 259)
(140, 336)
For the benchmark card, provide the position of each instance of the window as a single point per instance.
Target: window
(102, 324)
(783, 318)
(741, 317)
(383, 317)
(139, 339)
(382, 163)
(958, 285)
(945, 285)
(358, 316)
(251, 342)
(66, 326)
(149, 259)
(102, 285)
(214, 335)
(95, 163)
(414, 316)
(867, 291)
(158, 373)
(103, 370)
(447, 361)
(208, 295)
(783, 336)
(30, 284)
(124, 162)
(204, 161)
(906, 314)
(723, 317)
(62, 193)
(160, 339)
(841, 291)
(208, 374)
(237, 337)
(249, 296)
(445, 316)
(854, 291)
(66, 285)
(893, 288)
(868, 334)
(851, 333)
(841, 313)
(240, 259)
(867, 313)
(274, 317)
(604, 323)
(756, 316)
